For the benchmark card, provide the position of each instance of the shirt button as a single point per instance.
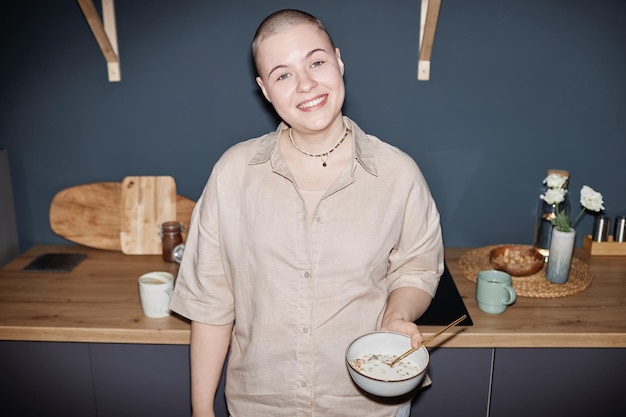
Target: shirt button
(305, 330)
(307, 274)
(318, 219)
(303, 384)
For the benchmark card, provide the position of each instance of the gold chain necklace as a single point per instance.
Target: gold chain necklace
(324, 155)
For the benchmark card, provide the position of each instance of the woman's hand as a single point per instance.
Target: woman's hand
(404, 306)
(406, 327)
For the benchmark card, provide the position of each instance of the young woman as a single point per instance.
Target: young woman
(304, 238)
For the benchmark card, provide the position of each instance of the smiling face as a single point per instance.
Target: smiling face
(301, 74)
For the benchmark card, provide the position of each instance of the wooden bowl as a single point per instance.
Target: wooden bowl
(519, 261)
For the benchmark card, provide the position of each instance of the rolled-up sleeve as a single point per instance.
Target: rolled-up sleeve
(203, 291)
(417, 261)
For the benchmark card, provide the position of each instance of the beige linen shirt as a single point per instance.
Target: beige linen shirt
(298, 292)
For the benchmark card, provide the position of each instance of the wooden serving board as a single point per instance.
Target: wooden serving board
(147, 202)
(88, 214)
(91, 214)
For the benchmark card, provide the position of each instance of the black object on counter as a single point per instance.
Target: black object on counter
(447, 305)
(55, 262)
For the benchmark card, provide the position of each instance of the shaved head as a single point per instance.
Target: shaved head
(280, 20)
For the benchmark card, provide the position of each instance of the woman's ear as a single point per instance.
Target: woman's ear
(339, 61)
(259, 81)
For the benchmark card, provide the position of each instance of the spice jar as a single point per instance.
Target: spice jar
(171, 236)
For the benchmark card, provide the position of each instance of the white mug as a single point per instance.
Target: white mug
(155, 293)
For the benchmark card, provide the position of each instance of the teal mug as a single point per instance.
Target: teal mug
(494, 291)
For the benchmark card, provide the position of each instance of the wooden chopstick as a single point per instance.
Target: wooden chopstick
(428, 339)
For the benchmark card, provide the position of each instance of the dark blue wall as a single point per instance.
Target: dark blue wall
(517, 87)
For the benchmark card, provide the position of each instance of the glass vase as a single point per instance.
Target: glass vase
(543, 227)
(545, 213)
(561, 253)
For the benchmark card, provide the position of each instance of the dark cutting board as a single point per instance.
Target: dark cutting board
(447, 305)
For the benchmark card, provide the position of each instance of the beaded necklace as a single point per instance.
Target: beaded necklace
(324, 155)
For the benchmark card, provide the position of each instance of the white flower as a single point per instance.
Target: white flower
(591, 199)
(553, 195)
(555, 181)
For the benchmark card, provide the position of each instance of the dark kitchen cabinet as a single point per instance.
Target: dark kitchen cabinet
(558, 382)
(96, 379)
(141, 380)
(460, 387)
(118, 380)
(46, 379)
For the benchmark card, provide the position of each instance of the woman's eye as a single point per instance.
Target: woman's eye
(316, 64)
(283, 77)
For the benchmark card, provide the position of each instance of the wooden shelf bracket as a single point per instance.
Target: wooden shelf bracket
(105, 32)
(428, 24)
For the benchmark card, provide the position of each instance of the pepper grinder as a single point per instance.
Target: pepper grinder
(620, 229)
(601, 226)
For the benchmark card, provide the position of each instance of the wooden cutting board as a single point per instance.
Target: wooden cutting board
(88, 214)
(147, 202)
(91, 214)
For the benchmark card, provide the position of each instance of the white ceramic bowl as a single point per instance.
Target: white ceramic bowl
(386, 343)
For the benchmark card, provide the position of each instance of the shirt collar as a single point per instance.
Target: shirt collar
(363, 148)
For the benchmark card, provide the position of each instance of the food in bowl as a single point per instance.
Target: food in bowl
(386, 346)
(517, 260)
(377, 366)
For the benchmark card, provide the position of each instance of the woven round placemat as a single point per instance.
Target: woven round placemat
(536, 285)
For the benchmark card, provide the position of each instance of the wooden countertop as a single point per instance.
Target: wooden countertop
(99, 302)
